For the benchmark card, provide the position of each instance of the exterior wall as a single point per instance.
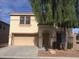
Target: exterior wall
(75, 44)
(16, 27)
(4, 32)
(76, 41)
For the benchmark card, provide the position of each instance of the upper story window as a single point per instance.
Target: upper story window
(24, 19)
(0, 26)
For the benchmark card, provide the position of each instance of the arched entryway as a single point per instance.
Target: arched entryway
(46, 34)
(46, 40)
(60, 40)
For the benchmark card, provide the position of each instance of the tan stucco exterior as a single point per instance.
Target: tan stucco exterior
(16, 27)
(74, 40)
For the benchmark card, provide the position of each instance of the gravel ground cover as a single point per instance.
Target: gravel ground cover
(58, 53)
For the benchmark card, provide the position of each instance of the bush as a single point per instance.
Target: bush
(69, 45)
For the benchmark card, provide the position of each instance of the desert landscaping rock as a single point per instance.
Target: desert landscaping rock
(52, 51)
(58, 53)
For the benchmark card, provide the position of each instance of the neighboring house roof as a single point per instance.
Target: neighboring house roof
(19, 13)
(4, 23)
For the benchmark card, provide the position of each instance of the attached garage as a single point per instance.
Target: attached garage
(23, 40)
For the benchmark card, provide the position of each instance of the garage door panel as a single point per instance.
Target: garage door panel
(23, 40)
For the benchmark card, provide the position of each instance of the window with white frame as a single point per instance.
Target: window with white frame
(24, 19)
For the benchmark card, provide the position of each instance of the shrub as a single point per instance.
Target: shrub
(69, 45)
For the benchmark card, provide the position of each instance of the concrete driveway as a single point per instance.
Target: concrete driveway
(18, 52)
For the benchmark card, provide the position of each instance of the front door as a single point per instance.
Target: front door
(46, 41)
(58, 40)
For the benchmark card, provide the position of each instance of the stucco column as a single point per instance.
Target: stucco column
(40, 39)
(51, 41)
(10, 38)
(74, 41)
(53, 38)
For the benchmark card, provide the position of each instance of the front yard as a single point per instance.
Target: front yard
(34, 52)
(58, 53)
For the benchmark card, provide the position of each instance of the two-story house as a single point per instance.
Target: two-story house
(4, 33)
(25, 31)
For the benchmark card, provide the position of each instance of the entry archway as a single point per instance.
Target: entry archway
(46, 39)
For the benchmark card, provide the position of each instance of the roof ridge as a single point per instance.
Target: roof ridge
(4, 22)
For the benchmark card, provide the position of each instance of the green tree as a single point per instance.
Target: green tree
(58, 13)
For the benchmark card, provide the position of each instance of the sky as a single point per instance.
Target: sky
(75, 30)
(9, 6)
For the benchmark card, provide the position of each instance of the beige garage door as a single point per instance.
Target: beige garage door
(23, 40)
